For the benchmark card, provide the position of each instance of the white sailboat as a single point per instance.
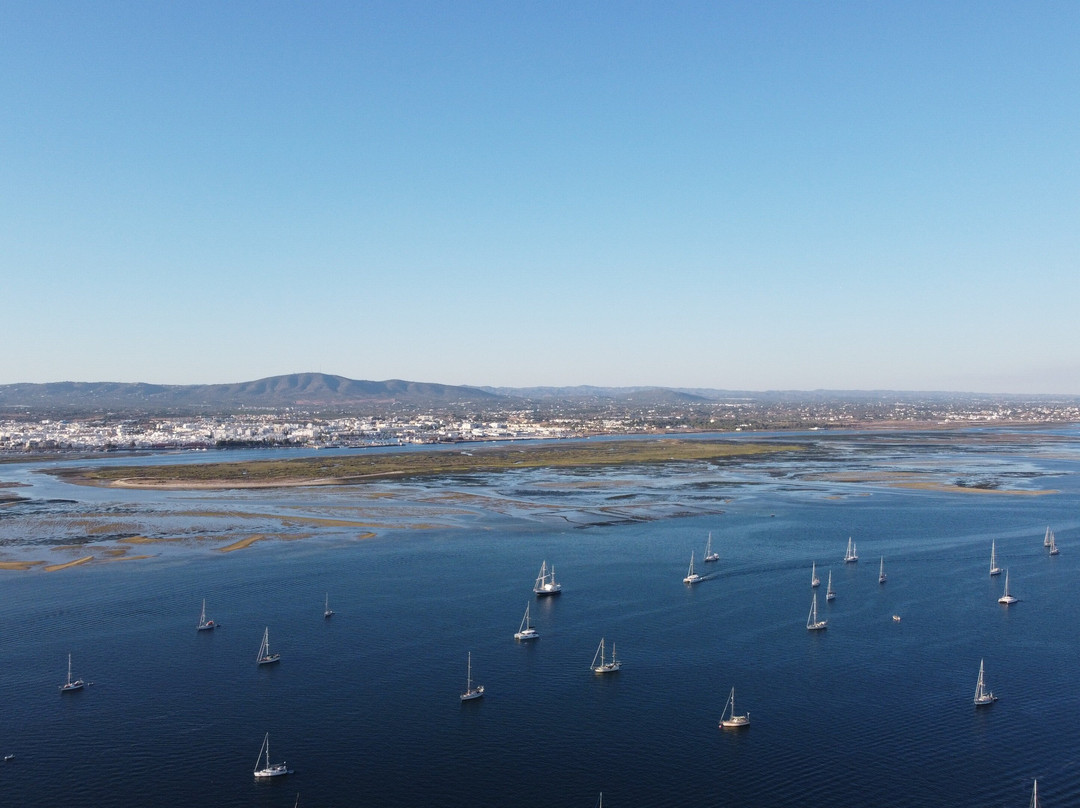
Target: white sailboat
(851, 554)
(691, 576)
(204, 624)
(815, 582)
(881, 571)
(709, 554)
(1006, 598)
(812, 622)
(1046, 536)
(470, 691)
(829, 594)
(525, 630)
(264, 656)
(263, 766)
(1034, 795)
(602, 666)
(1053, 544)
(733, 721)
(994, 568)
(545, 581)
(327, 611)
(982, 695)
(70, 685)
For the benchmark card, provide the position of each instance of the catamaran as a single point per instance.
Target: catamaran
(545, 582)
(994, 568)
(470, 691)
(1006, 598)
(851, 554)
(829, 594)
(525, 630)
(982, 695)
(327, 611)
(269, 769)
(604, 667)
(881, 571)
(733, 721)
(815, 582)
(70, 685)
(812, 622)
(691, 576)
(264, 656)
(204, 624)
(709, 554)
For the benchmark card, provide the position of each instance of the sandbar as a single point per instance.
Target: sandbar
(19, 565)
(75, 563)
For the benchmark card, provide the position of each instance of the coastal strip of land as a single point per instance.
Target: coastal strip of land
(364, 467)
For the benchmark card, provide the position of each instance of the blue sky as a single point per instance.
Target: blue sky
(739, 195)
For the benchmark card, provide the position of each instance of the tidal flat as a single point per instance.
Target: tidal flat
(73, 514)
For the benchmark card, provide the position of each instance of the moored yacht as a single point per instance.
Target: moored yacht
(545, 581)
(1006, 598)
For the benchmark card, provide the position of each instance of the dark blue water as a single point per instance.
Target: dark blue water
(365, 706)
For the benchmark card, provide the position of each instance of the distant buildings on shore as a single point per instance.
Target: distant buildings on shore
(96, 433)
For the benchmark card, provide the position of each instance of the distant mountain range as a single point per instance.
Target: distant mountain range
(304, 390)
(321, 391)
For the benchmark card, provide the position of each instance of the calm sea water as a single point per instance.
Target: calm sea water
(365, 707)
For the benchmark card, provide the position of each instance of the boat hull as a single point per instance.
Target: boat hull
(277, 770)
(270, 660)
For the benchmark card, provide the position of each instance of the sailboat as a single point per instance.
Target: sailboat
(851, 554)
(691, 576)
(881, 571)
(829, 594)
(1034, 795)
(269, 769)
(1047, 536)
(994, 568)
(1006, 598)
(204, 624)
(604, 667)
(733, 721)
(1053, 544)
(69, 685)
(812, 622)
(709, 554)
(265, 657)
(545, 582)
(982, 695)
(470, 691)
(327, 611)
(815, 582)
(525, 630)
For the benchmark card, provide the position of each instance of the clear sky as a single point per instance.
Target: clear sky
(741, 195)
